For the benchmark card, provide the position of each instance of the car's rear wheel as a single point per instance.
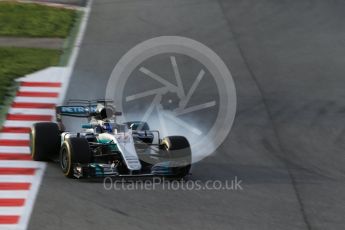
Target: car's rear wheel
(44, 141)
(179, 153)
(74, 151)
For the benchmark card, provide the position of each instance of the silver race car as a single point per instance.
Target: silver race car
(106, 148)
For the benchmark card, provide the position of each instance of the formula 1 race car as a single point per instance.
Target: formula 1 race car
(106, 148)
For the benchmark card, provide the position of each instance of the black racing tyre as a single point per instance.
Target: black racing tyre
(45, 141)
(74, 150)
(179, 152)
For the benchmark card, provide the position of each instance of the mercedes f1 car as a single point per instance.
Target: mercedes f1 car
(107, 148)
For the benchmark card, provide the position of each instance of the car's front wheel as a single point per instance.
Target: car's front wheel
(179, 153)
(73, 151)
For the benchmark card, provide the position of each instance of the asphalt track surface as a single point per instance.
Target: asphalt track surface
(287, 141)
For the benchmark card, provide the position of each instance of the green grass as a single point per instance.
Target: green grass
(33, 20)
(70, 40)
(17, 62)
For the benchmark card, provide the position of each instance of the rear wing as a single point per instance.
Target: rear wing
(82, 108)
(75, 111)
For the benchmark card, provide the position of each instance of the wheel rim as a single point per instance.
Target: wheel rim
(32, 143)
(64, 160)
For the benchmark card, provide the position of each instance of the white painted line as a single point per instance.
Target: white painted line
(30, 201)
(10, 227)
(17, 178)
(52, 4)
(14, 136)
(21, 164)
(11, 123)
(36, 99)
(51, 74)
(14, 149)
(13, 194)
(61, 74)
(32, 111)
(11, 210)
(75, 52)
(39, 89)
